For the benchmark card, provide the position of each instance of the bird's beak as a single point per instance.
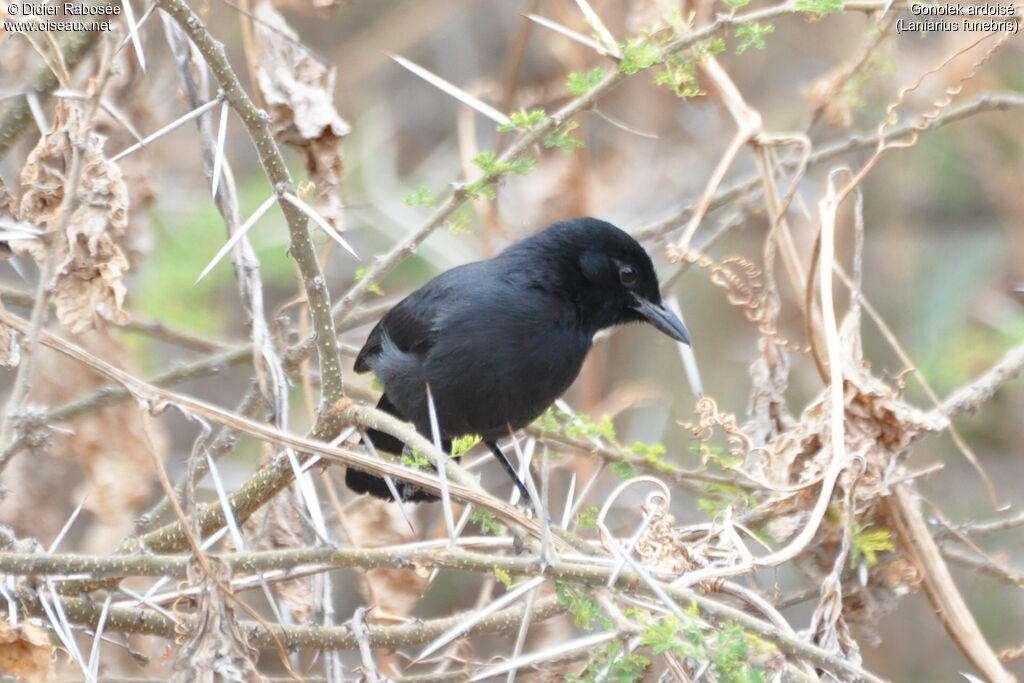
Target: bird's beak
(662, 318)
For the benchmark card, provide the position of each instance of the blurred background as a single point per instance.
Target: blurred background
(943, 251)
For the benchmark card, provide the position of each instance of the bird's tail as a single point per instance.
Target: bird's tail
(364, 482)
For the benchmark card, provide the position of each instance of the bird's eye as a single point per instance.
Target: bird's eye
(628, 275)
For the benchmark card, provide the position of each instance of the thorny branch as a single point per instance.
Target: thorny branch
(636, 577)
(301, 245)
(626, 579)
(276, 475)
(74, 46)
(9, 438)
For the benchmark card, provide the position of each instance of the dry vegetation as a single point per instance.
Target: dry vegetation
(836, 208)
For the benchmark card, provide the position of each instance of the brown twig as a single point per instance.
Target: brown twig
(592, 575)
(200, 556)
(457, 197)
(141, 621)
(301, 247)
(278, 473)
(983, 565)
(70, 201)
(74, 46)
(942, 591)
(856, 141)
(970, 397)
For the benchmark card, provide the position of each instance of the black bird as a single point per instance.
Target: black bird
(497, 341)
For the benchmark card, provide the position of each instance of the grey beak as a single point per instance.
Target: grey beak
(664, 319)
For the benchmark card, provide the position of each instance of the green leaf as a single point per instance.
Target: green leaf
(503, 576)
(716, 45)
(712, 507)
(374, 288)
(661, 637)
(493, 169)
(752, 35)
(637, 55)
(412, 458)
(818, 6)
(487, 521)
(727, 647)
(651, 455)
(459, 223)
(867, 544)
(582, 606)
(581, 82)
(623, 470)
(420, 197)
(547, 422)
(680, 75)
(611, 664)
(588, 518)
(725, 495)
(487, 161)
(561, 139)
(480, 188)
(520, 166)
(581, 425)
(525, 121)
(627, 669)
(462, 444)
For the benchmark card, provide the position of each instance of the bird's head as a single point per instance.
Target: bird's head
(610, 275)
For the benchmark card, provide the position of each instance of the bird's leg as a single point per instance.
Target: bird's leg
(511, 470)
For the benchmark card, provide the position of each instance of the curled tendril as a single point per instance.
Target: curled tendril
(743, 282)
(663, 493)
(708, 417)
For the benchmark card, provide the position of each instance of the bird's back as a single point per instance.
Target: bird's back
(411, 323)
(495, 347)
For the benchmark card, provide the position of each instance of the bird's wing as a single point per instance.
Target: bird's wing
(409, 327)
(411, 324)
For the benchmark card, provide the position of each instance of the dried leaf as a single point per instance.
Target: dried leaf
(10, 346)
(901, 575)
(829, 627)
(767, 414)
(879, 425)
(278, 525)
(140, 171)
(88, 282)
(831, 631)
(660, 547)
(298, 91)
(9, 210)
(33, 477)
(373, 523)
(214, 648)
(8, 202)
(17, 57)
(107, 447)
(25, 652)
